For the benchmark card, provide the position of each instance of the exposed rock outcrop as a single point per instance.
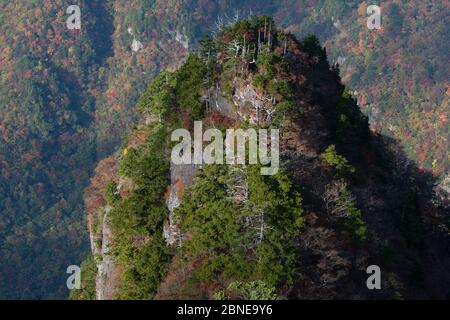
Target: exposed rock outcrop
(181, 178)
(107, 276)
(99, 229)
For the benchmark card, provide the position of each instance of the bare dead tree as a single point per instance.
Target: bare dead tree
(218, 25)
(235, 47)
(269, 48)
(236, 16)
(259, 42)
(250, 14)
(244, 49)
(265, 30)
(238, 188)
(228, 20)
(338, 199)
(254, 55)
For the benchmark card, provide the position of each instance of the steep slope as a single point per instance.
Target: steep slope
(341, 201)
(68, 96)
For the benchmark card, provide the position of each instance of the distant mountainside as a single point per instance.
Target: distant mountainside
(341, 201)
(68, 96)
(47, 99)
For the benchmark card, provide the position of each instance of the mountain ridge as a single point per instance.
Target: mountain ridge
(325, 140)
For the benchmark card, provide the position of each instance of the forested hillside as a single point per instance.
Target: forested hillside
(68, 96)
(47, 98)
(341, 201)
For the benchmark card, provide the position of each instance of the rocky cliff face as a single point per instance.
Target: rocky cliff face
(100, 231)
(181, 178)
(107, 276)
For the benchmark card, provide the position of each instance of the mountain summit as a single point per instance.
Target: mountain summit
(340, 204)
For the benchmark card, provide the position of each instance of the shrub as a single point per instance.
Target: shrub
(111, 194)
(253, 290)
(340, 163)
